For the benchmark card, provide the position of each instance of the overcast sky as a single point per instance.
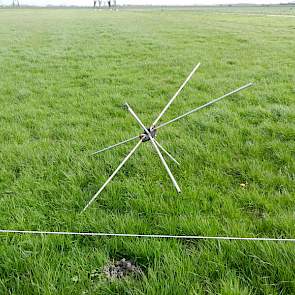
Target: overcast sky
(154, 2)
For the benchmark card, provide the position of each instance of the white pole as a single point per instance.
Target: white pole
(156, 147)
(115, 145)
(31, 232)
(166, 166)
(205, 105)
(176, 94)
(111, 177)
(165, 151)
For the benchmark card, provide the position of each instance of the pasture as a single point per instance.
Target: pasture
(64, 76)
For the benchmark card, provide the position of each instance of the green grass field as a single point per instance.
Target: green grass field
(64, 76)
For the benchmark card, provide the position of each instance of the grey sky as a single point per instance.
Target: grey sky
(154, 2)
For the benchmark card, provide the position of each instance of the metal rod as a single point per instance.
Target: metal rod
(166, 166)
(156, 147)
(31, 232)
(111, 177)
(205, 105)
(176, 94)
(137, 119)
(115, 145)
(165, 151)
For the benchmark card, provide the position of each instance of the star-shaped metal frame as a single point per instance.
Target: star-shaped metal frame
(150, 133)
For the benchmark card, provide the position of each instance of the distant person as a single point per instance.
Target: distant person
(109, 3)
(15, 3)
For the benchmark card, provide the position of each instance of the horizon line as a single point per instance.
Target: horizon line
(155, 5)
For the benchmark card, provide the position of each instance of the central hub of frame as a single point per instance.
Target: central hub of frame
(145, 137)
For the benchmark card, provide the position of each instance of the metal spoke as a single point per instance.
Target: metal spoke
(115, 145)
(176, 94)
(166, 166)
(205, 105)
(165, 151)
(111, 177)
(156, 147)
